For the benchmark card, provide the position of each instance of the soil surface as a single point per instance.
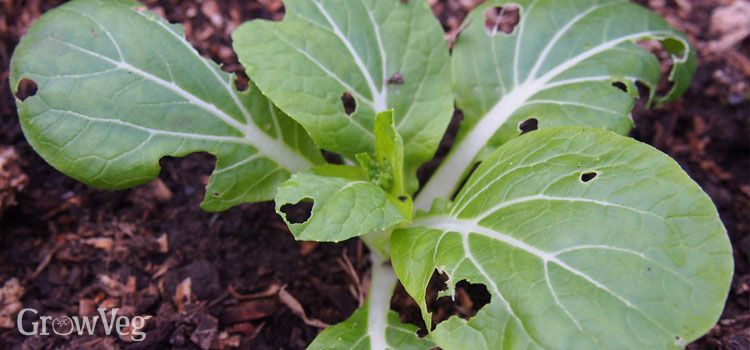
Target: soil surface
(229, 280)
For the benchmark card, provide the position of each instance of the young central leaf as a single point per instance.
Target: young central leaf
(120, 88)
(386, 169)
(386, 54)
(555, 68)
(634, 257)
(351, 201)
(345, 204)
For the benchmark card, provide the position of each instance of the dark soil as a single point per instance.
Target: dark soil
(73, 248)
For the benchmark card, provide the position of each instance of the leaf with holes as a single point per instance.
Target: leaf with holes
(374, 325)
(387, 54)
(585, 240)
(119, 88)
(345, 204)
(351, 201)
(556, 67)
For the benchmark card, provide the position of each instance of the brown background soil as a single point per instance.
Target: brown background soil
(71, 246)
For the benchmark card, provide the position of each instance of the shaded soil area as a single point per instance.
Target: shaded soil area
(229, 280)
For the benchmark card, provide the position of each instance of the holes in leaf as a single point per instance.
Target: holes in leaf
(527, 125)
(396, 78)
(620, 86)
(332, 157)
(501, 19)
(26, 88)
(467, 301)
(186, 176)
(350, 105)
(588, 176)
(242, 83)
(298, 213)
(679, 341)
(659, 49)
(643, 94)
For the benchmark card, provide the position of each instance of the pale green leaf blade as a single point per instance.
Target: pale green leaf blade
(120, 88)
(557, 67)
(634, 257)
(374, 326)
(342, 207)
(388, 54)
(390, 146)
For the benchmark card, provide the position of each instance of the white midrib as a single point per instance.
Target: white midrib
(274, 149)
(378, 95)
(450, 172)
(381, 290)
(443, 182)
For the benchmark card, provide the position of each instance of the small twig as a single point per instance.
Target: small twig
(453, 34)
(270, 291)
(46, 260)
(297, 309)
(219, 299)
(347, 265)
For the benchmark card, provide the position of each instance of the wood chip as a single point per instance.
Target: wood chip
(307, 247)
(205, 332)
(270, 291)
(113, 287)
(86, 307)
(10, 302)
(249, 311)
(12, 178)
(163, 242)
(183, 294)
(103, 243)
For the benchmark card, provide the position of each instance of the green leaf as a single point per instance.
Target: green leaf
(557, 67)
(119, 88)
(343, 207)
(634, 257)
(388, 54)
(373, 326)
(387, 166)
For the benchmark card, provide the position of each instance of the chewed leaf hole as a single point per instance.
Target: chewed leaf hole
(350, 105)
(298, 213)
(527, 125)
(679, 341)
(468, 299)
(26, 89)
(332, 157)
(657, 48)
(242, 83)
(620, 86)
(588, 176)
(501, 19)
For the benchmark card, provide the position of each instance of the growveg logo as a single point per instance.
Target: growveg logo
(75, 325)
